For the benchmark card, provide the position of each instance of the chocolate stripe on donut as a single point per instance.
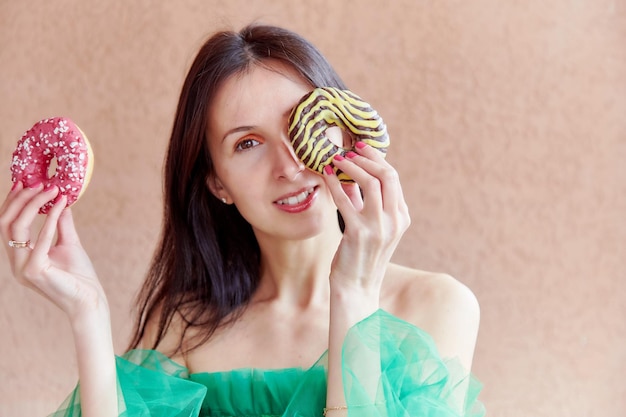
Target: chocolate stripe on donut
(325, 107)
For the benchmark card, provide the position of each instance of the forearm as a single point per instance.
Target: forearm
(347, 308)
(96, 363)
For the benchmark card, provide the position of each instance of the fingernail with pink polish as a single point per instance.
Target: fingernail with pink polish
(328, 170)
(360, 145)
(338, 158)
(351, 154)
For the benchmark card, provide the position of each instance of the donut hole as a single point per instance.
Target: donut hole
(52, 167)
(340, 137)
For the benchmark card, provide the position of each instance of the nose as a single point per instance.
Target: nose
(286, 163)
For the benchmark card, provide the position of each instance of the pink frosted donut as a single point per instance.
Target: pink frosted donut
(49, 139)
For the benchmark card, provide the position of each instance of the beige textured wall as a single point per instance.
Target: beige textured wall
(509, 129)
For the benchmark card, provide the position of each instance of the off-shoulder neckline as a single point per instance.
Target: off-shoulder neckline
(252, 370)
(263, 371)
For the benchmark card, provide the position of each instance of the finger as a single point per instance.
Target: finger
(5, 217)
(39, 260)
(67, 234)
(20, 228)
(369, 183)
(373, 162)
(368, 151)
(42, 246)
(393, 196)
(341, 199)
(15, 189)
(353, 192)
(13, 205)
(16, 200)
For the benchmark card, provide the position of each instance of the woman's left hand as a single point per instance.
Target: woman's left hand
(374, 221)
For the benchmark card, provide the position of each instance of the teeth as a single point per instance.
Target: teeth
(296, 199)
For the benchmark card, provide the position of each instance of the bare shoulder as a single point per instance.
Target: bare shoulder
(437, 303)
(415, 294)
(170, 341)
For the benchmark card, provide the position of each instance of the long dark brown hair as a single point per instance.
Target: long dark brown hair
(206, 265)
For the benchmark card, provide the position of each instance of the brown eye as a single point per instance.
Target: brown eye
(246, 144)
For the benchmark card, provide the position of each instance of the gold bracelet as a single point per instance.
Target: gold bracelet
(327, 409)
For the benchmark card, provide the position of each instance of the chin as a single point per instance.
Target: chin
(304, 231)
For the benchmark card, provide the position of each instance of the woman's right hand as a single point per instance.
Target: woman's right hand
(61, 271)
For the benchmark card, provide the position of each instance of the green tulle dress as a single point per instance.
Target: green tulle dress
(412, 381)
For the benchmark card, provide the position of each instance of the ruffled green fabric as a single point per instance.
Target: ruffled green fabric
(149, 385)
(411, 379)
(390, 369)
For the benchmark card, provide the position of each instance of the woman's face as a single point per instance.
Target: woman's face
(255, 166)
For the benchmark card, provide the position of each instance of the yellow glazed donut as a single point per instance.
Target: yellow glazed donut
(325, 107)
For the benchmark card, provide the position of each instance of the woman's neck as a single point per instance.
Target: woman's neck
(296, 272)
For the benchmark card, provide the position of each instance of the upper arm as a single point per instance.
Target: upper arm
(454, 318)
(444, 308)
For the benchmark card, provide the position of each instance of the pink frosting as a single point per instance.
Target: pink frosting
(59, 138)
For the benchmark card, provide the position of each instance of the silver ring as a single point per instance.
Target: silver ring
(18, 245)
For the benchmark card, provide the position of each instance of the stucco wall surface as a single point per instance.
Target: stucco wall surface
(508, 122)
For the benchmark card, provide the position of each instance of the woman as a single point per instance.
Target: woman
(259, 300)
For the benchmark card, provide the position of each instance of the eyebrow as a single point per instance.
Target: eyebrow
(237, 130)
(248, 128)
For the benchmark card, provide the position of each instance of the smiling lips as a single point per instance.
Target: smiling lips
(293, 200)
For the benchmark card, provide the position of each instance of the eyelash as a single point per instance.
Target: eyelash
(239, 147)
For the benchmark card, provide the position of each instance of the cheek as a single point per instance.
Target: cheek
(241, 183)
